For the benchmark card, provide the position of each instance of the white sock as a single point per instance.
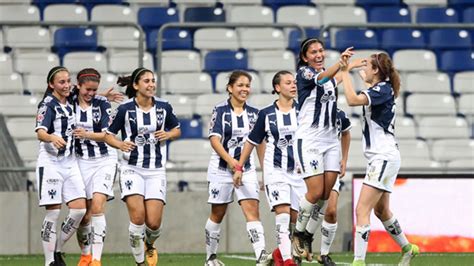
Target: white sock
(282, 222)
(212, 237)
(151, 235)
(257, 238)
(48, 235)
(69, 226)
(328, 233)
(137, 236)
(393, 228)
(361, 240)
(303, 214)
(316, 218)
(99, 229)
(83, 234)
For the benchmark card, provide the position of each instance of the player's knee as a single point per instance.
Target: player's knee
(382, 213)
(314, 195)
(330, 215)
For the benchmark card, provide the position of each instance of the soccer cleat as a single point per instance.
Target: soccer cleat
(213, 261)
(59, 259)
(151, 255)
(52, 263)
(325, 260)
(277, 258)
(308, 246)
(358, 263)
(263, 259)
(95, 263)
(85, 260)
(290, 262)
(297, 245)
(141, 263)
(408, 252)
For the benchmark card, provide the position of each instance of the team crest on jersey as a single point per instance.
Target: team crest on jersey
(160, 117)
(328, 97)
(96, 115)
(308, 74)
(252, 120)
(52, 193)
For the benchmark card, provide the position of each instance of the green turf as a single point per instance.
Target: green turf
(428, 259)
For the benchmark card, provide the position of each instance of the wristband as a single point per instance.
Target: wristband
(239, 168)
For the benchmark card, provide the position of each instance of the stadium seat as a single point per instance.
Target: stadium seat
(437, 15)
(216, 39)
(275, 4)
(456, 61)
(223, 78)
(28, 38)
(405, 128)
(461, 4)
(261, 38)
(428, 82)
(173, 39)
(443, 39)
(180, 61)
(225, 60)
(266, 81)
(468, 15)
(453, 149)
(364, 53)
(22, 128)
(76, 61)
(463, 82)
(271, 60)
(28, 151)
(438, 127)
(378, 2)
(206, 102)
(126, 62)
(389, 14)
(250, 14)
(334, 2)
(466, 105)
(359, 39)
(154, 3)
(113, 13)
(74, 39)
(179, 151)
(19, 13)
(189, 83)
(19, 105)
(191, 128)
(414, 60)
(91, 4)
(260, 101)
(415, 154)
(294, 39)
(426, 2)
(35, 63)
(11, 84)
(204, 14)
(304, 16)
(241, 2)
(195, 2)
(183, 105)
(35, 83)
(346, 14)
(151, 18)
(430, 104)
(42, 4)
(118, 38)
(65, 12)
(397, 39)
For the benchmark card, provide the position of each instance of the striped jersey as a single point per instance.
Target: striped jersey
(94, 118)
(232, 129)
(278, 129)
(343, 123)
(317, 106)
(58, 119)
(379, 123)
(139, 127)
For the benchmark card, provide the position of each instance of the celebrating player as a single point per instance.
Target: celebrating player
(381, 151)
(57, 172)
(231, 123)
(146, 123)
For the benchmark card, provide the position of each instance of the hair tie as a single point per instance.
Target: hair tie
(88, 75)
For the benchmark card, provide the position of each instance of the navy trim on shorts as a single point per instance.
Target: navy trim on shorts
(300, 154)
(41, 173)
(384, 165)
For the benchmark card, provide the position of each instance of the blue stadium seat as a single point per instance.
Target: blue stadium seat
(468, 15)
(225, 60)
(444, 39)
(457, 61)
(360, 39)
(204, 14)
(173, 39)
(294, 39)
(89, 4)
(461, 4)
(396, 39)
(151, 18)
(275, 4)
(191, 129)
(74, 39)
(437, 15)
(390, 14)
(367, 3)
(41, 4)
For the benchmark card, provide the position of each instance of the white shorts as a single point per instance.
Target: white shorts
(382, 174)
(309, 161)
(222, 193)
(59, 181)
(332, 158)
(285, 193)
(150, 183)
(98, 175)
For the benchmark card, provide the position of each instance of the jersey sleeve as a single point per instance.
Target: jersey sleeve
(171, 121)
(215, 125)
(345, 122)
(118, 120)
(378, 94)
(306, 77)
(106, 111)
(45, 117)
(258, 133)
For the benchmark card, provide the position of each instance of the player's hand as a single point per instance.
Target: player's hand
(348, 53)
(360, 62)
(58, 142)
(162, 135)
(362, 74)
(237, 178)
(113, 95)
(79, 133)
(127, 146)
(232, 164)
(343, 169)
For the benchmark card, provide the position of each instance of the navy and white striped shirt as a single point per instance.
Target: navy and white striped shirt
(57, 119)
(232, 129)
(139, 127)
(343, 123)
(317, 106)
(278, 129)
(96, 119)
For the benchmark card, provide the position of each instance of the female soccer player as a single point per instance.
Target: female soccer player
(276, 124)
(97, 163)
(231, 123)
(381, 151)
(317, 144)
(57, 172)
(146, 123)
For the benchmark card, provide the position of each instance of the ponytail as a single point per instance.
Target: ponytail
(387, 71)
(128, 81)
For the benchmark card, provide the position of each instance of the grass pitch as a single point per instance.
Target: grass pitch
(428, 259)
